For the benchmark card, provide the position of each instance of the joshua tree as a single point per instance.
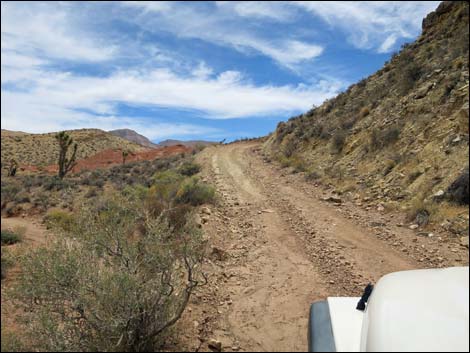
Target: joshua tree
(12, 168)
(125, 154)
(65, 164)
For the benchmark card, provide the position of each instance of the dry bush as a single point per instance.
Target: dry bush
(116, 281)
(338, 141)
(364, 112)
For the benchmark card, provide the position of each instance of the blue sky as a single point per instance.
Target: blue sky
(189, 70)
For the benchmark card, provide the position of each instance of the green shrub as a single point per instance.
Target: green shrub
(10, 238)
(117, 282)
(165, 186)
(9, 191)
(59, 219)
(195, 193)
(189, 168)
(283, 161)
(56, 183)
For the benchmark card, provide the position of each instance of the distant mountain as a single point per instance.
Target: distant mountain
(41, 149)
(133, 136)
(192, 143)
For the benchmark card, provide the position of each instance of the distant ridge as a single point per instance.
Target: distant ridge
(133, 136)
(191, 143)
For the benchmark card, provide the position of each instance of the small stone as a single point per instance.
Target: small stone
(414, 226)
(380, 208)
(333, 199)
(438, 195)
(206, 210)
(215, 345)
(456, 140)
(464, 241)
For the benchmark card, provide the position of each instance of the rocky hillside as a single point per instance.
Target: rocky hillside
(133, 136)
(41, 149)
(397, 140)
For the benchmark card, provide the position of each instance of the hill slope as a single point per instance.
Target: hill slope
(133, 136)
(42, 150)
(400, 137)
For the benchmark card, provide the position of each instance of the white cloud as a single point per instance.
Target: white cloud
(388, 43)
(275, 10)
(372, 24)
(63, 99)
(202, 71)
(44, 30)
(219, 25)
(150, 6)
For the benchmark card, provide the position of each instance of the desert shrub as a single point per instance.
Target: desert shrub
(55, 184)
(41, 200)
(414, 175)
(298, 164)
(117, 282)
(189, 168)
(316, 130)
(283, 160)
(22, 197)
(458, 192)
(379, 139)
(312, 175)
(165, 186)
(338, 141)
(96, 178)
(390, 135)
(13, 210)
(419, 211)
(409, 75)
(91, 193)
(194, 192)
(6, 263)
(348, 123)
(289, 146)
(59, 219)
(9, 191)
(364, 112)
(389, 165)
(10, 238)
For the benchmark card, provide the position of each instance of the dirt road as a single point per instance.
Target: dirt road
(285, 248)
